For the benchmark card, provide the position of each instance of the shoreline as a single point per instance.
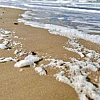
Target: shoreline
(26, 83)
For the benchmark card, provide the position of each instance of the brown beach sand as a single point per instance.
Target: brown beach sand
(28, 85)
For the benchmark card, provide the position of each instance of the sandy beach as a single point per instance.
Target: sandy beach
(27, 84)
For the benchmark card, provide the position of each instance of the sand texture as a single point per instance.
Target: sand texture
(28, 85)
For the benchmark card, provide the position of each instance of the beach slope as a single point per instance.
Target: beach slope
(26, 84)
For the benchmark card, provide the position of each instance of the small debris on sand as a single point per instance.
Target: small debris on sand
(15, 23)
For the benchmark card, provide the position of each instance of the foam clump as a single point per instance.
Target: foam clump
(19, 52)
(7, 32)
(92, 67)
(56, 63)
(40, 70)
(22, 53)
(81, 50)
(90, 55)
(3, 46)
(1, 37)
(15, 43)
(98, 60)
(77, 76)
(28, 61)
(16, 51)
(2, 60)
(60, 77)
(4, 33)
(23, 63)
(78, 79)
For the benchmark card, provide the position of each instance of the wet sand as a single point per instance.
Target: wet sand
(28, 85)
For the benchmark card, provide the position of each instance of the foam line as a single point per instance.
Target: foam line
(64, 31)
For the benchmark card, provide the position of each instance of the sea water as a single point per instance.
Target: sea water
(63, 17)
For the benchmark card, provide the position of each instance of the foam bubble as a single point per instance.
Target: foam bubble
(28, 61)
(40, 70)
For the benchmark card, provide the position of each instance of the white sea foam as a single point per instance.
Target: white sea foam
(77, 73)
(81, 10)
(28, 61)
(8, 43)
(61, 7)
(4, 35)
(3, 60)
(81, 50)
(64, 31)
(62, 78)
(16, 51)
(40, 70)
(23, 63)
(78, 78)
(3, 46)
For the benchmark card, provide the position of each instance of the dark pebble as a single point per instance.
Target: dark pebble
(33, 53)
(15, 23)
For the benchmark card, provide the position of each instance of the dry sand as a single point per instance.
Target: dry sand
(28, 85)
